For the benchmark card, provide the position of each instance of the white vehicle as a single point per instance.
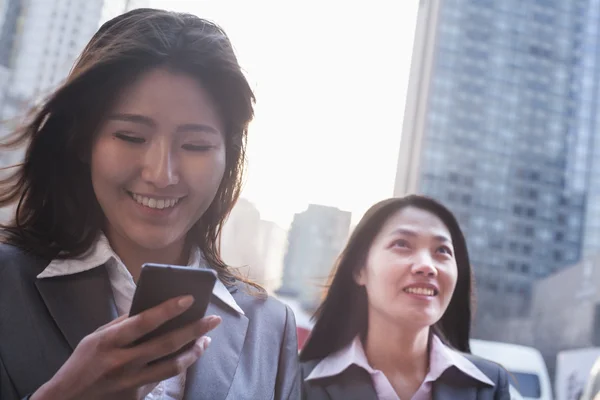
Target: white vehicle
(525, 365)
(573, 370)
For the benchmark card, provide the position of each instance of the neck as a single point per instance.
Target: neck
(134, 256)
(395, 350)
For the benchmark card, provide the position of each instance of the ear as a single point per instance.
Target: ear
(360, 276)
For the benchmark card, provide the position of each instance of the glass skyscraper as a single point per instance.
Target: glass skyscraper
(499, 126)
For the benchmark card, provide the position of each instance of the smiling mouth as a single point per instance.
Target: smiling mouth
(422, 291)
(155, 203)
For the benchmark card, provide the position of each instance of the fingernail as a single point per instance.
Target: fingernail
(185, 301)
(206, 342)
(213, 320)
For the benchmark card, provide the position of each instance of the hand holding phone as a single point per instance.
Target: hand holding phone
(107, 365)
(162, 336)
(159, 283)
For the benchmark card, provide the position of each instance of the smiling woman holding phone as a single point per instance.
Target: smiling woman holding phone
(137, 158)
(396, 319)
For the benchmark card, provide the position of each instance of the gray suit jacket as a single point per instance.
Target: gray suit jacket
(252, 356)
(355, 384)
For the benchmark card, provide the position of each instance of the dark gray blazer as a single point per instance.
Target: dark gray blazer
(355, 384)
(252, 356)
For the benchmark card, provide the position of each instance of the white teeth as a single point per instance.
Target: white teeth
(421, 291)
(154, 203)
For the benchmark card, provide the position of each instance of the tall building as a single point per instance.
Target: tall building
(253, 246)
(315, 240)
(501, 107)
(272, 246)
(42, 39)
(10, 30)
(240, 240)
(65, 26)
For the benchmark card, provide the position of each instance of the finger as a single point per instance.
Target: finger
(113, 322)
(139, 325)
(146, 390)
(170, 367)
(173, 341)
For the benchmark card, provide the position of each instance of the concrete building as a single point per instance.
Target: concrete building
(498, 126)
(253, 246)
(566, 310)
(315, 240)
(271, 249)
(240, 240)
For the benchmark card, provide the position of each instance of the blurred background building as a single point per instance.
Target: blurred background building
(315, 240)
(253, 246)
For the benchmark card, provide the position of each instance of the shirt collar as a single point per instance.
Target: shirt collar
(101, 252)
(441, 358)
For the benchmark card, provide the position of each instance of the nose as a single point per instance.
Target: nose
(424, 265)
(160, 167)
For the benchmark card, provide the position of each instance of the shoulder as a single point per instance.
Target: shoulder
(15, 263)
(306, 367)
(494, 371)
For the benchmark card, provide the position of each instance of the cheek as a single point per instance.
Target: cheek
(385, 277)
(204, 175)
(449, 282)
(108, 167)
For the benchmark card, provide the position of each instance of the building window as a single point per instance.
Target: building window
(529, 231)
(559, 236)
(558, 256)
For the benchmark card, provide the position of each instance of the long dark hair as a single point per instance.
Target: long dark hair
(57, 214)
(343, 313)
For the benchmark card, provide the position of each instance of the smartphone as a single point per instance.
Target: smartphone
(159, 283)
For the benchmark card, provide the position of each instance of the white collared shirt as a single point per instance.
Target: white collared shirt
(123, 287)
(441, 358)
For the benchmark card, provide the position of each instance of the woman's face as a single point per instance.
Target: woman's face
(410, 273)
(158, 159)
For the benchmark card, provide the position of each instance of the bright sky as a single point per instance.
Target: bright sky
(330, 78)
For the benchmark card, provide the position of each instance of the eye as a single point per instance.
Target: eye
(400, 243)
(193, 147)
(445, 250)
(129, 137)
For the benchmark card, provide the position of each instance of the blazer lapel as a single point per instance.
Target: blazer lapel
(79, 303)
(452, 385)
(212, 375)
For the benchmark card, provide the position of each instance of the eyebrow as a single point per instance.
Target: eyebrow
(408, 232)
(149, 122)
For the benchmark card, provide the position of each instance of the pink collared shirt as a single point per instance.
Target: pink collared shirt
(441, 358)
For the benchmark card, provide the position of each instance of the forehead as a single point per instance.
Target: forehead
(169, 97)
(417, 220)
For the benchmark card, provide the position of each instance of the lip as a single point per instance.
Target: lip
(424, 285)
(155, 212)
(156, 196)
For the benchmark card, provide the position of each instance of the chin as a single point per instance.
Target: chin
(152, 240)
(421, 319)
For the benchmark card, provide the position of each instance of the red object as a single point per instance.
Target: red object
(303, 334)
